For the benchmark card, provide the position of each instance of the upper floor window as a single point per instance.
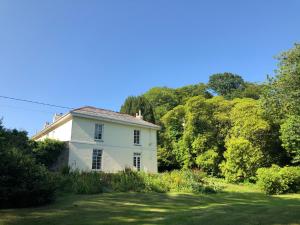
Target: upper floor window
(136, 137)
(98, 131)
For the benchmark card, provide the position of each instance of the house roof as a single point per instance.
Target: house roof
(111, 115)
(97, 113)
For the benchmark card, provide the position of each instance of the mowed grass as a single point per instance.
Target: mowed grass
(237, 204)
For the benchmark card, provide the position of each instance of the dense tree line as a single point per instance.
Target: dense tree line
(228, 127)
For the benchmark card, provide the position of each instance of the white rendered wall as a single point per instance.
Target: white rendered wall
(61, 133)
(117, 145)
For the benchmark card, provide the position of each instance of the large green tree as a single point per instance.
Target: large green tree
(133, 104)
(290, 136)
(162, 99)
(195, 132)
(248, 141)
(250, 90)
(226, 84)
(281, 97)
(281, 100)
(172, 131)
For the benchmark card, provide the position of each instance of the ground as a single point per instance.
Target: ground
(236, 204)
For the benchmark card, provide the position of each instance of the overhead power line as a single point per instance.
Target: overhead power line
(35, 102)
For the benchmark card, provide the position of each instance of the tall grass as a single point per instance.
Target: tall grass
(128, 180)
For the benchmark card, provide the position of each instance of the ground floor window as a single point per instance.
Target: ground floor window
(97, 159)
(137, 161)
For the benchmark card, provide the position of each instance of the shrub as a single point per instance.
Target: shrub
(277, 180)
(242, 160)
(22, 181)
(47, 151)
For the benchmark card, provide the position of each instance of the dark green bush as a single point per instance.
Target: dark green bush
(277, 180)
(22, 181)
(47, 151)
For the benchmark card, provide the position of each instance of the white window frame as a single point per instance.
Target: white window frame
(97, 159)
(137, 137)
(137, 160)
(98, 132)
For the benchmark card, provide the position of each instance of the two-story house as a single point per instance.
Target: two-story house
(104, 140)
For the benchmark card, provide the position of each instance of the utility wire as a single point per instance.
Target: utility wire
(45, 104)
(35, 102)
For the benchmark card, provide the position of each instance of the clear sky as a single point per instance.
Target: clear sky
(75, 53)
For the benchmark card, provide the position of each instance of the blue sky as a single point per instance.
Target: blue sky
(76, 53)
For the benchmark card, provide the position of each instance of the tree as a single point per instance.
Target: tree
(251, 90)
(290, 137)
(172, 131)
(186, 92)
(162, 99)
(133, 104)
(281, 100)
(225, 83)
(198, 131)
(23, 181)
(248, 143)
(242, 159)
(281, 97)
(247, 120)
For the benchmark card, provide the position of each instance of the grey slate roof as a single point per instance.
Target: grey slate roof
(111, 115)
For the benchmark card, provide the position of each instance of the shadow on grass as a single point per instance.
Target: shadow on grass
(154, 208)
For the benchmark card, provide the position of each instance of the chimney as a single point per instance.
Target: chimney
(46, 125)
(57, 116)
(139, 115)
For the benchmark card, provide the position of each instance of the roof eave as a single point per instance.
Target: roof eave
(57, 123)
(155, 127)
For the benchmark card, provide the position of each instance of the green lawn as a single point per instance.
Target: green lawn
(238, 204)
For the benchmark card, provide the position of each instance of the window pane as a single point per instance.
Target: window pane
(136, 137)
(98, 131)
(96, 159)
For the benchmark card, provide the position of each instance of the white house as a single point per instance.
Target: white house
(104, 140)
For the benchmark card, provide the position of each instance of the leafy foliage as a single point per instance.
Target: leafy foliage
(276, 180)
(133, 104)
(242, 160)
(47, 151)
(281, 97)
(290, 137)
(195, 132)
(162, 99)
(226, 83)
(22, 181)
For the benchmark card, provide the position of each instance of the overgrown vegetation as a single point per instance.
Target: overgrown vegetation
(25, 179)
(23, 182)
(187, 181)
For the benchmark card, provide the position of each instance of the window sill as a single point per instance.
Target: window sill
(137, 145)
(98, 140)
